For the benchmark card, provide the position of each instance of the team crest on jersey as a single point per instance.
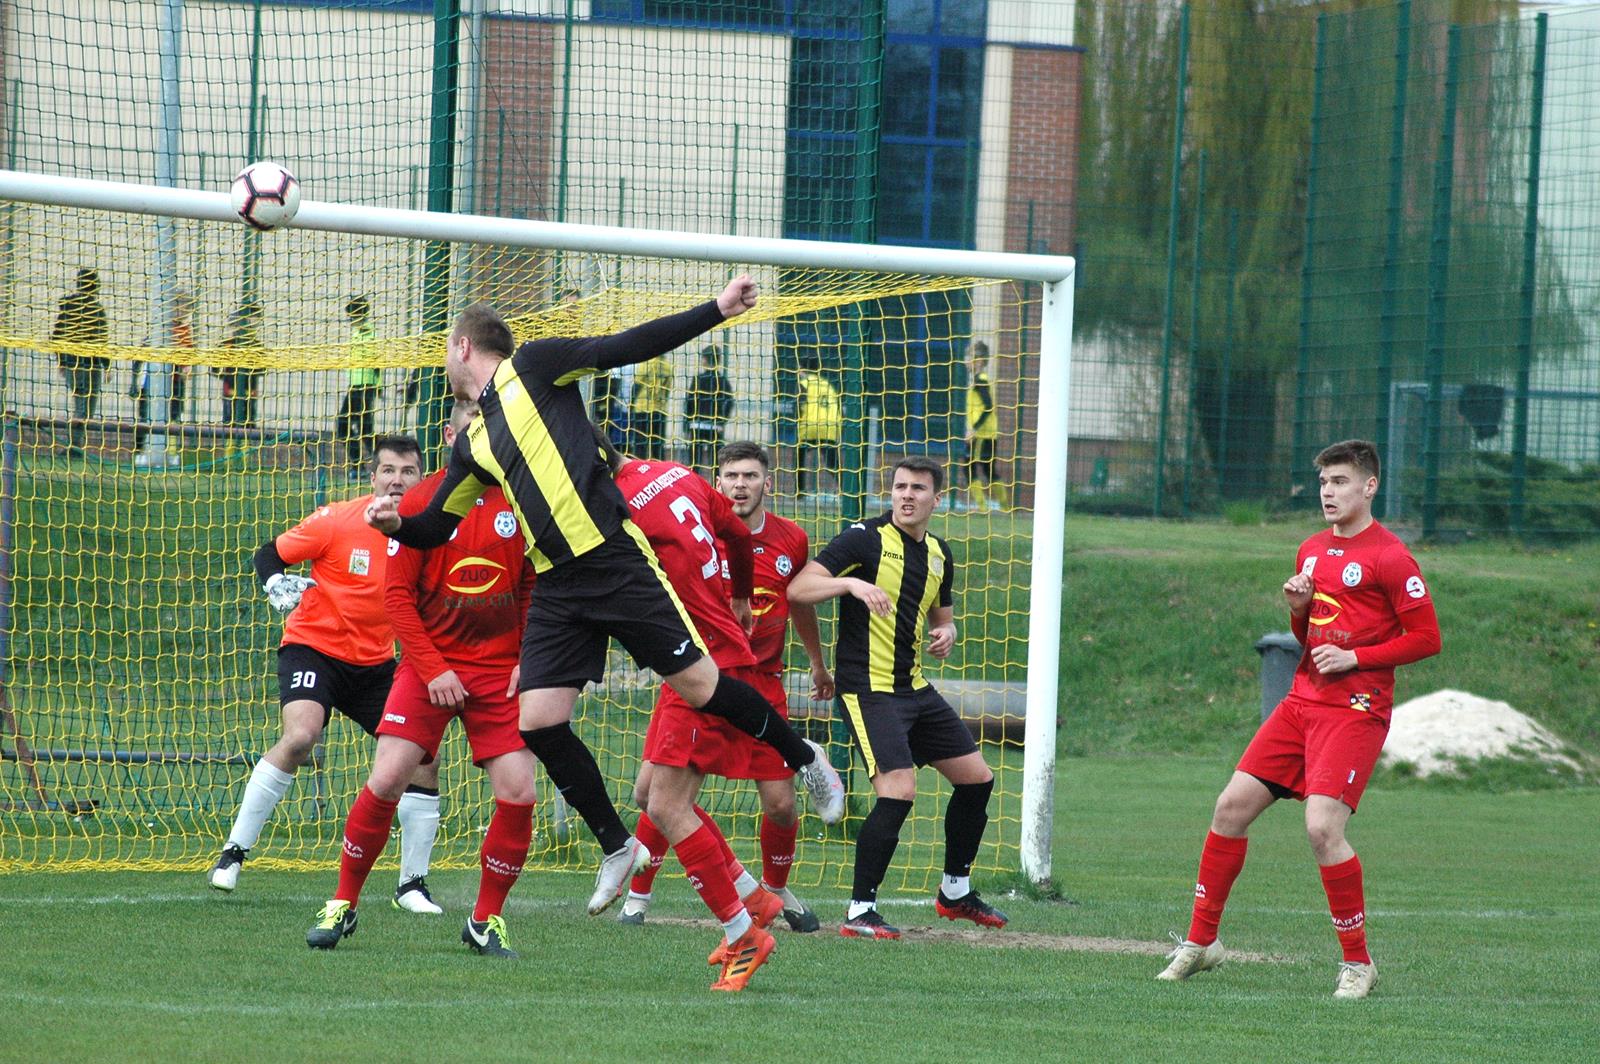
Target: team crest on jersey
(783, 565)
(1352, 574)
(360, 561)
(1308, 565)
(394, 547)
(1415, 587)
(505, 524)
(1362, 701)
(935, 566)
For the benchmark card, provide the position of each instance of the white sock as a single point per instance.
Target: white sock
(419, 826)
(859, 907)
(790, 902)
(268, 784)
(956, 887)
(733, 929)
(746, 884)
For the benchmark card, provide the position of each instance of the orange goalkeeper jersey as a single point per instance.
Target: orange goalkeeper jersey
(343, 616)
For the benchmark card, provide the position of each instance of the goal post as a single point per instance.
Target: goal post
(835, 297)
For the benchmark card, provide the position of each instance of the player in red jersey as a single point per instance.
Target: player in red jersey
(337, 653)
(781, 549)
(1358, 604)
(458, 611)
(683, 519)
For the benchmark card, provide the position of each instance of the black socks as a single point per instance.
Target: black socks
(573, 770)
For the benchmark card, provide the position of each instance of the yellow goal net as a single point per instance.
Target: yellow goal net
(175, 394)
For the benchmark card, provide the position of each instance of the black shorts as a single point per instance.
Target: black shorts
(615, 591)
(357, 691)
(895, 731)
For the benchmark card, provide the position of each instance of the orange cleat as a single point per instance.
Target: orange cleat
(745, 954)
(763, 907)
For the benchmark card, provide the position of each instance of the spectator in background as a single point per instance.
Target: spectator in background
(706, 409)
(821, 422)
(983, 428)
(82, 320)
(652, 398)
(241, 385)
(180, 334)
(356, 426)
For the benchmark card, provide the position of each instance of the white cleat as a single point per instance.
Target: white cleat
(413, 897)
(823, 786)
(225, 873)
(1187, 959)
(615, 871)
(1356, 981)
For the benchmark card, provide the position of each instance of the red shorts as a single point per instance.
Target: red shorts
(686, 738)
(1307, 748)
(489, 717)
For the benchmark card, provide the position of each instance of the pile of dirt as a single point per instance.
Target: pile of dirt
(1438, 730)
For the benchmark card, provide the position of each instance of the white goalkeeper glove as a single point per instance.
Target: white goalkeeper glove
(284, 590)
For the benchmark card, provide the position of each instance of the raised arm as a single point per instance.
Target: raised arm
(462, 484)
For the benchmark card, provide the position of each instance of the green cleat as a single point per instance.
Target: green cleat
(488, 937)
(336, 920)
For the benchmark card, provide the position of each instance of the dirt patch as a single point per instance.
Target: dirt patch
(1436, 731)
(1010, 940)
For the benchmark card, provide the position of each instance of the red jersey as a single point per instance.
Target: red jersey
(683, 517)
(463, 603)
(343, 616)
(781, 549)
(1365, 586)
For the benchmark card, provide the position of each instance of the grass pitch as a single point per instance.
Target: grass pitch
(1482, 917)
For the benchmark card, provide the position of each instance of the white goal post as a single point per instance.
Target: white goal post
(1054, 273)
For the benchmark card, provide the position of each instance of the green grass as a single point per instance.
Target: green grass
(1482, 917)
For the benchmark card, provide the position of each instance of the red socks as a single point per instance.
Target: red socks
(1347, 902)
(366, 831)
(707, 869)
(505, 848)
(777, 852)
(654, 841)
(1221, 859)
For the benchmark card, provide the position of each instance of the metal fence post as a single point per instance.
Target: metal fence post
(1530, 281)
(1439, 287)
(1299, 455)
(1391, 245)
(1194, 327)
(1172, 264)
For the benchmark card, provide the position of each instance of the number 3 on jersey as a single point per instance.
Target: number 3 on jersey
(685, 511)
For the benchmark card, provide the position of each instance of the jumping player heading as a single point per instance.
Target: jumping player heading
(1358, 604)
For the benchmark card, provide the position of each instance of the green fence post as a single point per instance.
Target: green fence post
(1299, 454)
(249, 283)
(1439, 287)
(1194, 325)
(434, 393)
(1391, 246)
(1227, 356)
(1530, 281)
(733, 185)
(1172, 264)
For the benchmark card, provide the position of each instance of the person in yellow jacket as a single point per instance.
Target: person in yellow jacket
(820, 423)
(356, 426)
(652, 396)
(983, 428)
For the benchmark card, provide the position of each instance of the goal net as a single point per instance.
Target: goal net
(138, 648)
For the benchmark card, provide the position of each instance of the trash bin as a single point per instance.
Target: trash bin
(1280, 653)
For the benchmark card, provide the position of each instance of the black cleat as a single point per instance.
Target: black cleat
(869, 924)
(969, 907)
(336, 920)
(488, 937)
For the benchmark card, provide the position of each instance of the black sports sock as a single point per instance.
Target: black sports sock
(964, 820)
(742, 706)
(572, 769)
(875, 846)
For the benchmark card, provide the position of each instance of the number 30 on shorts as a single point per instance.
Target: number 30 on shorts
(303, 678)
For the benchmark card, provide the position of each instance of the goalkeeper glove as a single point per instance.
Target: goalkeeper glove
(284, 590)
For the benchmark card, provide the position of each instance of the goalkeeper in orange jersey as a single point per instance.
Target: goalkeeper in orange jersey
(337, 653)
(780, 548)
(895, 580)
(458, 612)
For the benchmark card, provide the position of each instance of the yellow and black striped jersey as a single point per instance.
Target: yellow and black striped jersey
(534, 440)
(884, 654)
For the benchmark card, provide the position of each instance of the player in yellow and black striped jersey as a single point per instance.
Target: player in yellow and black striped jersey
(598, 576)
(895, 580)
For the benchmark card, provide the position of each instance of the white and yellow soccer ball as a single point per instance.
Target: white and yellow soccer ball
(266, 195)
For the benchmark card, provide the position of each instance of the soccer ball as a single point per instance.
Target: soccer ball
(266, 195)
